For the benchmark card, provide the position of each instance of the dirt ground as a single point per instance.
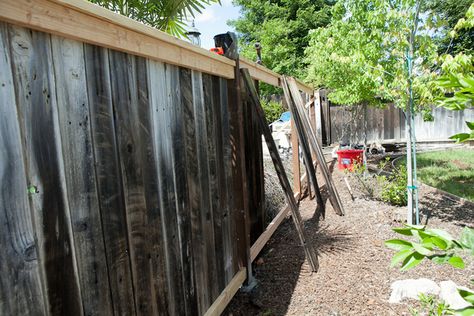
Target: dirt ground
(354, 276)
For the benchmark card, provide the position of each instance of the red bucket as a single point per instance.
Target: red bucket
(347, 157)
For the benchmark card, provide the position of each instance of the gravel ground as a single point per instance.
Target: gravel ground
(354, 277)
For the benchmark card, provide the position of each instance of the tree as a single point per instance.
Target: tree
(282, 28)
(449, 13)
(363, 55)
(457, 80)
(166, 15)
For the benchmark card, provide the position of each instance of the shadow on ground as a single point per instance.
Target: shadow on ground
(283, 262)
(447, 210)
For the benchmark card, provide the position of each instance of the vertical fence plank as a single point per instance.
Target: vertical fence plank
(204, 180)
(211, 99)
(107, 170)
(180, 161)
(229, 228)
(35, 91)
(74, 124)
(156, 232)
(168, 186)
(200, 260)
(21, 292)
(130, 99)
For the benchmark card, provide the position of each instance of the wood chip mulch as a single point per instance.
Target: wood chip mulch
(354, 277)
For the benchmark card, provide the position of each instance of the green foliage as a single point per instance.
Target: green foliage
(457, 80)
(281, 27)
(394, 187)
(273, 110)
(361, 55)
(167, 16)
(450, 12)
(431, 306)
(434, 244)
(441, 248)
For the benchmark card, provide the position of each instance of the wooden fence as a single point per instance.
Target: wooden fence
(387, 125)
(131, 183)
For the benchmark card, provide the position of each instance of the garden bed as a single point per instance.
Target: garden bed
(354, 276)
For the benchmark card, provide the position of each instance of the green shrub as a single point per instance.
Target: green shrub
(273, 110)
(394, 187)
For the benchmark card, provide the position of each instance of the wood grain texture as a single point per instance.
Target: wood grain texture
(197, 242)
(305, 129)
(206, 211)
(130, 102)
(89, 23)
(36, 100)
(311, 255)
(211, 101)
(228, 225)
(78, 157)
(107, 168)
(19, 264)
(180, 161)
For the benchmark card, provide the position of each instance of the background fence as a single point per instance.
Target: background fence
(387, 125)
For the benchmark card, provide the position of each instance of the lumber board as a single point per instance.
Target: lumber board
(228, 224)
(295, 158)
(180, 161)
(303, 141)
(261, 73)
(206, 211)
(90, 23)
(240, 209)
(109, 185)
(309, 251)
(197, 242)
(132, 110)
(227, 294)
(21, 292)
(167, 250)
(78, 156)
(165, 85)
(37, 107)
(298, 102)
(211, 101)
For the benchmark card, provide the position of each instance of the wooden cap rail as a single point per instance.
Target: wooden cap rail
(90, 23)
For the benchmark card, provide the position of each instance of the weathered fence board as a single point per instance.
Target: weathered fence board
(36, 101)
(121, 169)
(107, 169)
(78, 158)
(19, 262)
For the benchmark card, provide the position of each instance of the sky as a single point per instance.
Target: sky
(213, 21)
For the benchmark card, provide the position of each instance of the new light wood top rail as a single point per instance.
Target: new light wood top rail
(90, 23)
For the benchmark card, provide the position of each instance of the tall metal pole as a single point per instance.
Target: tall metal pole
(412, 190)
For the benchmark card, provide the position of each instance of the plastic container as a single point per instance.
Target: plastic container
(346, 158)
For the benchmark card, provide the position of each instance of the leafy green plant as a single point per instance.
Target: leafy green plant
(441, 248)
(431, 306)
(434, 244)
(457, 80)
(272, 109)
(166, 15)
(394, 187)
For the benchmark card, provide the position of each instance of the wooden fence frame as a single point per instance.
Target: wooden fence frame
(89, 23)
